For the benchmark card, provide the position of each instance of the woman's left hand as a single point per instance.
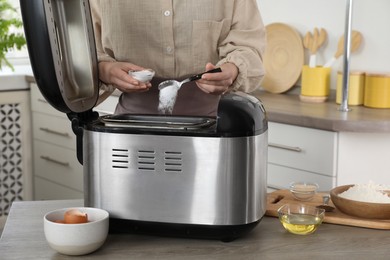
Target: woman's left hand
(218, 83)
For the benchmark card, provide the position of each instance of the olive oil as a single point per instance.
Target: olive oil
(301, 224)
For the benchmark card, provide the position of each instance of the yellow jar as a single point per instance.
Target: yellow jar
(355, 90)
(315, 81)
(377, 91)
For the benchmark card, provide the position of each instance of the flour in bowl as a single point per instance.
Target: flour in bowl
(367, 193)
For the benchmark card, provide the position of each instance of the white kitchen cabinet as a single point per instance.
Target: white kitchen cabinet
(363, 157)
(57, 172)
(328, 158)
(15, 149)
(301, 154)
(48, 190)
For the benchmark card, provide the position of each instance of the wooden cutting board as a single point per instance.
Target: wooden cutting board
(278, 198)
(283, 57)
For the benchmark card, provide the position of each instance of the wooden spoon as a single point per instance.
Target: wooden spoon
(314, 42)
(322, 38)
(356, 40)
(313, 48)
(307, 40)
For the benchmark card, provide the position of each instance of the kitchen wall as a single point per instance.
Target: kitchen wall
(370, 17)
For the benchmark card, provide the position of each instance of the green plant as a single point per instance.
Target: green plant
(9, 39)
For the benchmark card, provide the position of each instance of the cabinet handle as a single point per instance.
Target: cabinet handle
(47, 158)
(285, 147)
(47, 130)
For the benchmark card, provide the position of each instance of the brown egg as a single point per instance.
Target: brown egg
(75, 216)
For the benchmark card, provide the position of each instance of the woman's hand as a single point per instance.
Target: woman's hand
(116, 74)
(218, 83)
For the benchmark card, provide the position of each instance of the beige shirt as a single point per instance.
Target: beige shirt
(176, 38)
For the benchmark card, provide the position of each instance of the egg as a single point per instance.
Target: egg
(75, 216)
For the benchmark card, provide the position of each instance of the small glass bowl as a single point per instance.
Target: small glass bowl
(303, 191)
(300, 219)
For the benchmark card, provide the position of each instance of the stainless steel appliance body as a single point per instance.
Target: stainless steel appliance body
(177, 179)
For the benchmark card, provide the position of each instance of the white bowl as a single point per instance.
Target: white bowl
(76, 239)
(142, 75)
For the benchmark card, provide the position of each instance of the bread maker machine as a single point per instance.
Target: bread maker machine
(202, 177)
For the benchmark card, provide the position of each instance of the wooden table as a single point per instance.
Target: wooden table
(23, 238)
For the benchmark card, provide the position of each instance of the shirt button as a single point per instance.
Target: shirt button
(167, 13)
(169, 49)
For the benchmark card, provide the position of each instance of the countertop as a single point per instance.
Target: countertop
(289, 109)
(23, 238)
(13, 80)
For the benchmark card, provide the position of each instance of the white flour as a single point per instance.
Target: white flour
(367, 193)
(167, 99)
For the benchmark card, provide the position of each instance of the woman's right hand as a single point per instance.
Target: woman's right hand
(116, 74)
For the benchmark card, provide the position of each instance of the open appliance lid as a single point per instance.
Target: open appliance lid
(62, 52)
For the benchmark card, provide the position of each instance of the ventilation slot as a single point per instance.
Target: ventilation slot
(173, 161)
(146, 160)
(120, 158)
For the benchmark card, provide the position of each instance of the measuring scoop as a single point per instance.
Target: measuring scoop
(169, 88)
(177, 84)
(325, 204)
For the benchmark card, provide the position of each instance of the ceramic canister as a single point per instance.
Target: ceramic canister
(315, 81)
(377, 91)
(356, 88)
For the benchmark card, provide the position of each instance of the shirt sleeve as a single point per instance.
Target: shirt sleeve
(97, 27)
(244, 46)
